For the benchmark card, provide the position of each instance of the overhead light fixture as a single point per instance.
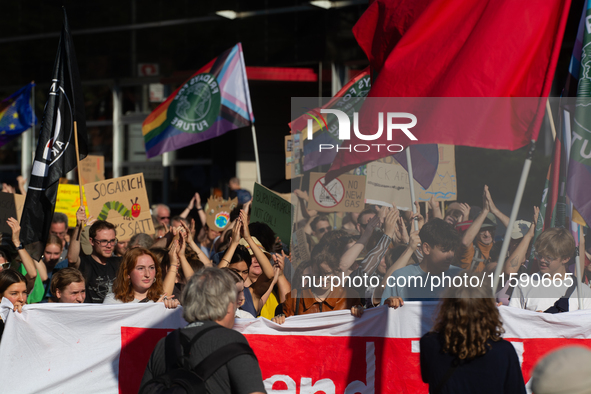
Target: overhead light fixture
(229, 14)
(322, 4)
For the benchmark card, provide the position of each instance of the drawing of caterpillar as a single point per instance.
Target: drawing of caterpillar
(116, 206)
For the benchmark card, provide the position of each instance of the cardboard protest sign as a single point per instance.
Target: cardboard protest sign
(68, 202)
(387, 181)
(343, 194)
(267, 207)
(300, 251)
(92, 169)
(11, 206)
(297, 156)
(288, 157)
(123, 202)
(444, 186)
(218, 212)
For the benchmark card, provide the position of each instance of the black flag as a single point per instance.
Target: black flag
(56, 151)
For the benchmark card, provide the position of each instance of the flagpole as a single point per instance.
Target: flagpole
(513, 217)
(78, 165)
(26, 139)
(579, 272)
(411, 182)
(256, 153)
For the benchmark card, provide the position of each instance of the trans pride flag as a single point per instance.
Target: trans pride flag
(212, 102)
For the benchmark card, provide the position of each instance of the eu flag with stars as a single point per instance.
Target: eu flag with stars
(16, 114)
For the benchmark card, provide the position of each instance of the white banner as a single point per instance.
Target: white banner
(73, 348)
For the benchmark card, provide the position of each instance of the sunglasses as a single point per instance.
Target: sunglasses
(163, 217)
(323, 230)
(5, 265)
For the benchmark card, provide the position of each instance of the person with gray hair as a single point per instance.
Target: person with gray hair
(140, 240)
(209, 303)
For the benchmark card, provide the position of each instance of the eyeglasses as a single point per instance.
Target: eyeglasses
(105, 242)
(60, 234)
(541, 257)
(164, 217)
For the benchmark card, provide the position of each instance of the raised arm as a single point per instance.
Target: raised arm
(195, 248)
(348, 258)
(494, 210)
(519, 254)
(435, 209)
(74, 249)
(373, 258)
(23, 254)
(170, 278)
(236, 230)
(261, 258)
(474, 228)
(185, 266)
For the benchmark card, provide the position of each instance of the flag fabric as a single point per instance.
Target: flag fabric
(424, 160)
(212, 102)
(16, 114)
(55, 155)
(462, 48)
(79, 348)
(326, 132)
(579, 164)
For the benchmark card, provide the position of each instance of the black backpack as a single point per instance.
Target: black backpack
(179, 377)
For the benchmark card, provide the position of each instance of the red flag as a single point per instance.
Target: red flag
(461, 48)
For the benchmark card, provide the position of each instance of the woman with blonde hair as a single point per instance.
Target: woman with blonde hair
(139, 280)
(464, 353)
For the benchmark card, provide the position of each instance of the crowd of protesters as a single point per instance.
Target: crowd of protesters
(380, 247)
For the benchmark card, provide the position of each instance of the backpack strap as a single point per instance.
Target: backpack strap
(175, 342)
(220, 357)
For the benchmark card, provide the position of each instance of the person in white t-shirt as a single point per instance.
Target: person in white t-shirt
(542, 291)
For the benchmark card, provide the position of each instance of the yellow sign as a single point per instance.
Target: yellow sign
(68, 202)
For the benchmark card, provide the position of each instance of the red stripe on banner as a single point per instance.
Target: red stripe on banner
(137, 345)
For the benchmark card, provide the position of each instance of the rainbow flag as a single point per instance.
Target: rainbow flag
(16, 114)
(212, 102)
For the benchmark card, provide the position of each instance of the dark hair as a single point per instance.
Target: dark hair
(9, 277)
(317, 219)
(366, 211)
(241, 254)
(263, 233)
(235, 213)
(437, 232)
(64, 277)
(234, 274)
(59, 217)
(100, 225)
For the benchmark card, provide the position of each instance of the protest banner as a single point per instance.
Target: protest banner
(123, 202)
(343, 194)
(92, 169)
(273, 210)
(11, 206)
(68, 202)
(108, 347)
(218, 212)
(297, 156)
